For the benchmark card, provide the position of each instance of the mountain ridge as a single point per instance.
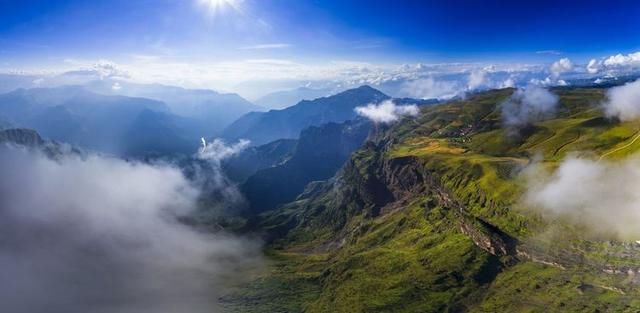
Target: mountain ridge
(319, 153)
(75, 115)
(211, 109)
(287, 123)
(425, 218)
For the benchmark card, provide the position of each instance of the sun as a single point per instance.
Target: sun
(219, 6)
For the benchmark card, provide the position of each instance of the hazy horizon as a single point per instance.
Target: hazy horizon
(426, 49)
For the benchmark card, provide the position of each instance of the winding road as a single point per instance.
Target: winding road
(621, 148)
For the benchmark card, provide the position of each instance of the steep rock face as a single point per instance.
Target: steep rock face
(383, 218)
(248, 162)
(487, 236)
(21, 136)
(369, 185)
(319, 153)
(405, 176)
(30, 139)
(380, 183)
(377, 183)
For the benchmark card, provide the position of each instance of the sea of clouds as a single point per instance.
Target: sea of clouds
(100, 234)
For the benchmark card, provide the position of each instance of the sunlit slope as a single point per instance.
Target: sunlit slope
(427, 218)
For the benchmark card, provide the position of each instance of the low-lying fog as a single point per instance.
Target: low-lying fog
(99, 234)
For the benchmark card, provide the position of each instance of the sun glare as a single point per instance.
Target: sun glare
(219, 6)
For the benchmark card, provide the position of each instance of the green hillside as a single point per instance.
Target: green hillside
(427, 217)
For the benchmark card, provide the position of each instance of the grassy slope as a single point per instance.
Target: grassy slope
(335, 255)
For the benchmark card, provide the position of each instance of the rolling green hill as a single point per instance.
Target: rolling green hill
(427, 217)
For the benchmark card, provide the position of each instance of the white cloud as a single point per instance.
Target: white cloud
(561, 66)
(253, 78)
(477, 79)
(218, 150)
(527, 105)
(212, 177)
(556, 69)
(427, 88)
(387, 111)
(109, 69)
(508, 83)
(441, 80)
(551, 52)
(605, 196)
(101, 234)
(593, 67)
(86, 70)
(619, 63)
(624, 101)
(620, 60)
(548, 81)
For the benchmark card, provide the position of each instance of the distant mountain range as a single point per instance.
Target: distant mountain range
(113, 124)
(283, 99)
(210, 111)
(263, 127)
(98, 117)
(11, 82)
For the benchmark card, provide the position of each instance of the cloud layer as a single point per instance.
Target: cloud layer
(99, 234)
(624, 101)
(218, 150)
(387, 111)
(619, 63)
(561, 66)
(254, 78)
(601, 195)
(220, 193)
(528, 105)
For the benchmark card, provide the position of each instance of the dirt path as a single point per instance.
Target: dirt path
(621, 148)
(567, 143)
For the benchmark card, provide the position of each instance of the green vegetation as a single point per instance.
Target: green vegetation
(427, 218)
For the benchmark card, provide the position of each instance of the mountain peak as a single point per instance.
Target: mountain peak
(261, 128)
(364, 89)
(367, 87)
(21, 136)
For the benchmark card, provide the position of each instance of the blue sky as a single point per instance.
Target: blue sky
(458, 30)
(61, 34)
